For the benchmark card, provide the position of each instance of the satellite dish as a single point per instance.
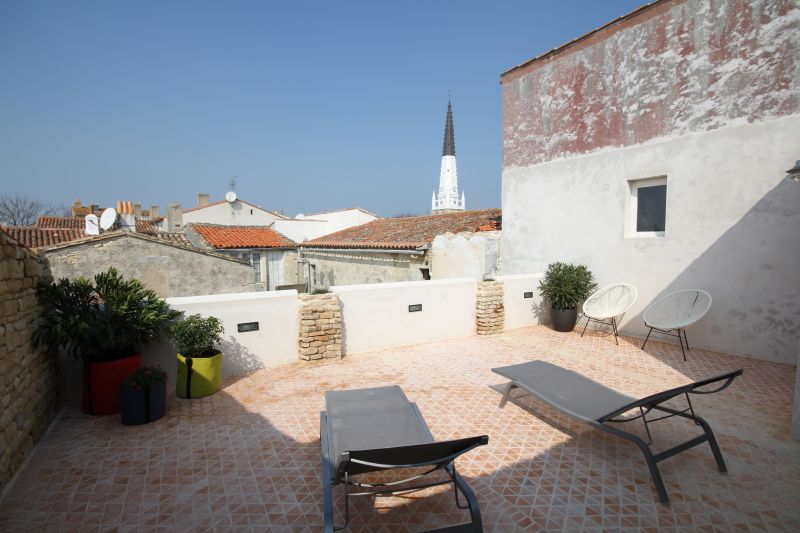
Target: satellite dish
(230, 196)
(92, 227)
(108, 218)
(300, 216)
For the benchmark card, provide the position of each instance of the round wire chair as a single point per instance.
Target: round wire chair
(607, 303)
(674, 312)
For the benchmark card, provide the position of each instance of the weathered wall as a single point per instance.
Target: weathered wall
(466, 255)
(354, 268)
(237, 213)
(679, 67)
(28, 381)
(169, 270)
(732, 229)
(489, 310)
(377, 316)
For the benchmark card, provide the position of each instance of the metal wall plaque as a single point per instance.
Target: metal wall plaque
(414, 308)
(247, 326)
(527, 295)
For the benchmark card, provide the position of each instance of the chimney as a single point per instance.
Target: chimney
(174, 217)
(202, 199)
(137, 210)
(127, 222)
(155, 212)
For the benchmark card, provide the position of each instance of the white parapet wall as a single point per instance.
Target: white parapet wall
(377, 316)
(274, 343)
(523, 305)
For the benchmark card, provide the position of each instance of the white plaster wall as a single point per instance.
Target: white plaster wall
(732, 228)
(376, 316)
(520, 311)
(231, 214)
(274, 343)
(466, 255)
(301, 230)
(346, 218)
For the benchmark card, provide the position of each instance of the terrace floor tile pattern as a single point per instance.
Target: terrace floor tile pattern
(248, 457)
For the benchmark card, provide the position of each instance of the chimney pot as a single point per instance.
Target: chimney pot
(137, 209)
(155, 212)
(202, 199)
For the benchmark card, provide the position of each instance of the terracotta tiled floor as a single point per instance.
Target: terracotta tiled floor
(248, 457)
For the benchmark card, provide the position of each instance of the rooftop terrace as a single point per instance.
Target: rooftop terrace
(248, 457)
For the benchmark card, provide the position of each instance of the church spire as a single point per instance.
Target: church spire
(447, 198)
(449, 147)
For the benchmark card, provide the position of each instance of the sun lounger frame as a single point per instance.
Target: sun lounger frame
(644, 406)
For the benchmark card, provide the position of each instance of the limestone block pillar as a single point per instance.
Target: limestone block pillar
(320, 327)
(489, 309)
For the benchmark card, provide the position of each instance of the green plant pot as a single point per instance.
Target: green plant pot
(199, 376)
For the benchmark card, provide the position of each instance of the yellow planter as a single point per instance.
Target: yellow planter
(199, 376)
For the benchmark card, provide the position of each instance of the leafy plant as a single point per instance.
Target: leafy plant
(196, 336)
(565, 285)
(104, 320)
(145, 376)
(320, 290)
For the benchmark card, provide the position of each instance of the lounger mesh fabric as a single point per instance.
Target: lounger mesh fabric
(601, 407)
(368, 430)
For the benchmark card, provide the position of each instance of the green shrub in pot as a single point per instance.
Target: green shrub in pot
(564, 287)
(197, 340)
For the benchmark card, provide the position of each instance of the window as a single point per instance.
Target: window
(256, 262)
(426, 273)
(647, 215)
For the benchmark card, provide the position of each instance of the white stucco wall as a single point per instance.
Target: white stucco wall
(466, 255)
(274, 343)
(520, 311)
(343, 219)
(301, 230)
(732, 229)
(377, 317)
(237, 213)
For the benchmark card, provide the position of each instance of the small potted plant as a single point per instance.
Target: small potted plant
(564, 287)
(104, 322)
(143, 396)
(196, 340)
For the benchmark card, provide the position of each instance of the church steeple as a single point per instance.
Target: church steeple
(447, 198)
(449, 147)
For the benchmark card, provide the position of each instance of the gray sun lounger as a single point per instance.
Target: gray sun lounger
(598, 405)
(369, 430)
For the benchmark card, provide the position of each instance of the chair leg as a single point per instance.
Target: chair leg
(646, 338)
(614, 325)
(685, 338)
(504, 399)
(585, 325)
(680, 339)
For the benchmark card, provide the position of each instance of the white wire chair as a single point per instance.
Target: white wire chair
(605, 304)
(676, 311)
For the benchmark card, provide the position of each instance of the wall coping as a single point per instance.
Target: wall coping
(402, 284)
(232, 297)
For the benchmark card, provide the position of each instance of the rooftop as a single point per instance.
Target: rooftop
(409, 232)
(249, 456)
(34, 237)
(221, 237)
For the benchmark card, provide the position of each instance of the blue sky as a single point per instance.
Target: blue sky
(313, 105)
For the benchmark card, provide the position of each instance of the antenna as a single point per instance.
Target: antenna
(108, 218)
(92, 227)
(232, 183)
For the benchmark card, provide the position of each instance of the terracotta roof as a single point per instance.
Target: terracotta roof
(238, 200)
(33, 237)
(142, 226)
(241, 236)
(409, 232)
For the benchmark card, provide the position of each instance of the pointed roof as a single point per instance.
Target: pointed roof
(449, 147)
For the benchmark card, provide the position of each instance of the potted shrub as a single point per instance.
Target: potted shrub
(196, 340)
(104, 323)
(564, 287)
(143, 396)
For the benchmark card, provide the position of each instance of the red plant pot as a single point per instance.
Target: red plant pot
(101, 383)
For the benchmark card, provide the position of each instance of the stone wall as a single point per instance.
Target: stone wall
(489, 308)
(350, 267)
(28, 384)
(320, 327)
(170, 270)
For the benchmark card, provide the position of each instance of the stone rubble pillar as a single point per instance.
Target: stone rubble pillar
(489, 309)
(320, 327)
